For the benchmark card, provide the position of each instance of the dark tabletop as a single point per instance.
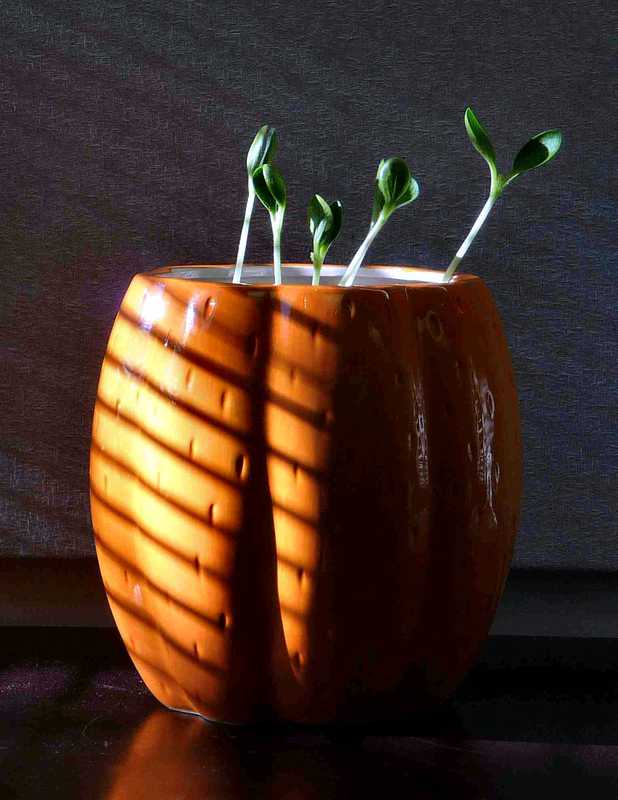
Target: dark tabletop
(536, 716)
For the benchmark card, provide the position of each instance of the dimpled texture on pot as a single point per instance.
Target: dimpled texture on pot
(304, 498)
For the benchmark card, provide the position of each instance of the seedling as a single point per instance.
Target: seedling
(270, 188)
(394, 188)
(262, 151)
(538, 151)
(324, 223)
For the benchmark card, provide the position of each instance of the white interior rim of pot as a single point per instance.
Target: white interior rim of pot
(329, 276)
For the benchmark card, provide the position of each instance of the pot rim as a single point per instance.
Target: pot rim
(428, 277)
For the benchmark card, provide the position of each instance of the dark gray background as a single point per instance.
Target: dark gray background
(123, 134)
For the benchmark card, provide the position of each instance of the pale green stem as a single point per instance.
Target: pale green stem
(277, 225)
(242, 245)
(351, 272)
(317, 266)
(493, 196)
(317, 256)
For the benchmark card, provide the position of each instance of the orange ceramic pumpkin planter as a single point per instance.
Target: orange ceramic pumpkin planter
(304, 498)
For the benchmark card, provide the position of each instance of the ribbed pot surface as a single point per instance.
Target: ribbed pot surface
(304, 498)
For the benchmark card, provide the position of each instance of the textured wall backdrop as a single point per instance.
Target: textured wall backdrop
(123, 133)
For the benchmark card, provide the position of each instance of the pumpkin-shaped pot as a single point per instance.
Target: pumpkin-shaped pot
(304, 498)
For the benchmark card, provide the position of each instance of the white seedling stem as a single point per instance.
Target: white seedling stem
(493, 196)
(317, 267)
(242, 245)
(277, 224)
(351, 272)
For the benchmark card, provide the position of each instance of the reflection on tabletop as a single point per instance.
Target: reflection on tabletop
(173, 755)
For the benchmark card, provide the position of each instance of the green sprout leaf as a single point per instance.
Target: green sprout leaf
(262, 151)
(480, 138)
(317, 212)
(325, 220)
(394, 187)
(395, 183)
(263, 148)
(378, 201)
(538, 151)
(271, 191)
(270, 188)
